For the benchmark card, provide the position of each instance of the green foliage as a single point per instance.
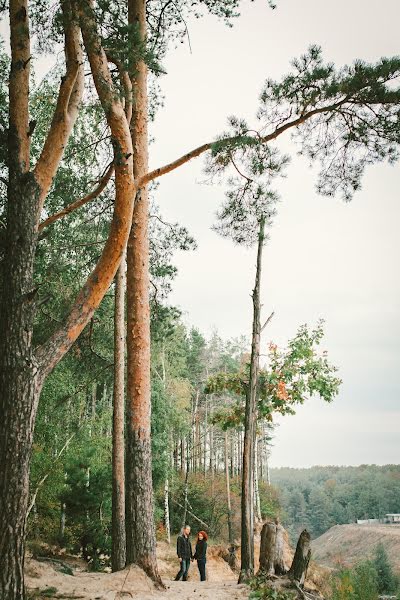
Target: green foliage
(345, 118)
(292, 375)
(261, 588)
(364, 582)
(386, 579)
(341, 586)
(359, 583)
(321, 497)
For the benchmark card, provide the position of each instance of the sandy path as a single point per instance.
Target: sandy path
(207, 590)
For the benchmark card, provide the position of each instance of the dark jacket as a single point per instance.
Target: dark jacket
(184, 547)
(201, 550)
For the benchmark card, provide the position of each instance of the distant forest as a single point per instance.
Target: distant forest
(321, 497)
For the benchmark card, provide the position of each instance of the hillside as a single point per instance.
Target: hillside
(348, 544)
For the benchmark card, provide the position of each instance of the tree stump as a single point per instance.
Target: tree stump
(298, 570)
(268, 548)
(279, 561)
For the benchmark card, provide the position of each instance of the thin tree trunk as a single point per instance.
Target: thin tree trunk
(62, 521)
(257, 501)
(205, 438)
(186, 488)
(118, 552)
(247, 504)
(228, 491)
(166, 512)
(183, 455)
(140, 531)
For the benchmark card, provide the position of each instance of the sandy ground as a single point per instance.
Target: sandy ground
(207, 590)
(44, 580)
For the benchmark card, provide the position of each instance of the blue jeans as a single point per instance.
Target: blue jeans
(201, 563)
(183, 571)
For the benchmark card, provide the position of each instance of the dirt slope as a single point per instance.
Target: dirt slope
(347, 544)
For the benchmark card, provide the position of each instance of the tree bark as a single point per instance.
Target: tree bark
(257, 500)
(280, 565)
(301, 560)
(228, 491)
(22, 371)
(268, 549)
(118, 552)
(19, 380)
(166, 512)
(140, 532)
(247, 502)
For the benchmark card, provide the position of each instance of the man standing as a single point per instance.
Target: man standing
(184, 552)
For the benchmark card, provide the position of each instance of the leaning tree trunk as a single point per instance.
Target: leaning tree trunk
(301, 560)
(140, 532)
(118, 551)
(247, 507)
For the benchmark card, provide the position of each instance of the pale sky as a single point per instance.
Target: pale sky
(325, 258)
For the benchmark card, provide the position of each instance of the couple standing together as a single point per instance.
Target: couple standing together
(185, 554)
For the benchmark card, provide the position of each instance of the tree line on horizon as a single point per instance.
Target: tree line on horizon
(320, 497)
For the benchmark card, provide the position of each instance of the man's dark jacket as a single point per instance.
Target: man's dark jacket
(184, 547)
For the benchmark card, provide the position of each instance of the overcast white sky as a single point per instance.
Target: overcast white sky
(325, 258)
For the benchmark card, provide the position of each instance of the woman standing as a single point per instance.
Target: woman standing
(201, 553)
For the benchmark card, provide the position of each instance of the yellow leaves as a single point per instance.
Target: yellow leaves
(180, 391)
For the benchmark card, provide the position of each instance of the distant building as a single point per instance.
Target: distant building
(392, 518)
(366, 521)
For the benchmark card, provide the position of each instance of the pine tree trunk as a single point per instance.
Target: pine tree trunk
(228, 491)
(302, 556)
(140, 531)
(20, 383)
(247, 503)
(257, 501)
(19, 380)
(118, 552)
(205, 438)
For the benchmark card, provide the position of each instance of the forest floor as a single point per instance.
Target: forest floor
(348, 544)
(46, 578)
